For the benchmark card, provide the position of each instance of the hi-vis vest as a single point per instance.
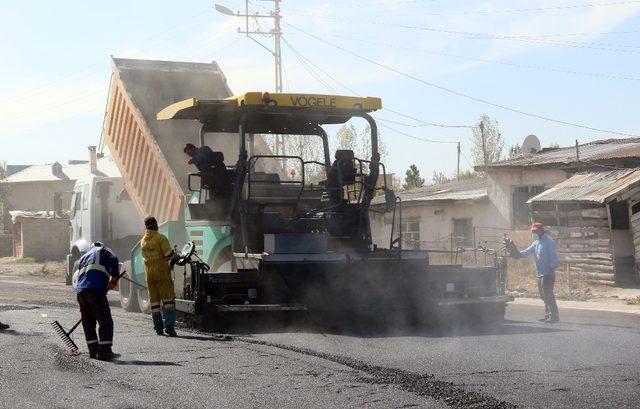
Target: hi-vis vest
(93, 270)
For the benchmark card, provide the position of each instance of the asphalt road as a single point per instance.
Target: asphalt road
(590, 359)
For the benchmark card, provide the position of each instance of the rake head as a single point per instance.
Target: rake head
(65, 336)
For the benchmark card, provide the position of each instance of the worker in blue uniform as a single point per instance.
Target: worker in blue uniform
(545, 254)
(98, 272)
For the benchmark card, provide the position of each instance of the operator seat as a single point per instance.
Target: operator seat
(218, 178)
(342, 170)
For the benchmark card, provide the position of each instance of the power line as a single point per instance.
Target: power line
(484, 60)
(458, 93)
(308, 68)
(422, 122)
(416, 137)
(484, 36)
(520, 10)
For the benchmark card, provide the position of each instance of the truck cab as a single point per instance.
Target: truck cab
(101, 210)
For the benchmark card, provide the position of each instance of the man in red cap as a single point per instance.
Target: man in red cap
(545, 254)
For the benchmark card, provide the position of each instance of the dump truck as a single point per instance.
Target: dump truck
(263, 235)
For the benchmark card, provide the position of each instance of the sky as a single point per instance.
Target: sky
(560, 69)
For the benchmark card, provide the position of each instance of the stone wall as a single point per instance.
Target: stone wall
(45, 239)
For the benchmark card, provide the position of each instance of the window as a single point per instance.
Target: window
(411, 233)
(519, 204)
(76, 203)
(463, 232)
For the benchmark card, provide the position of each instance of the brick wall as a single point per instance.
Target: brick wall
(45, 239)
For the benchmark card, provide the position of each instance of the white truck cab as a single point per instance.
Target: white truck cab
(101, 210)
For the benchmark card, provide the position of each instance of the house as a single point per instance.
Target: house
(443, 216)
(587, 194)
(31, 189)
(595, 218)
(513, 182)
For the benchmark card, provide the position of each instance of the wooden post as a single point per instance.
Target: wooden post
(458, 167)
(578, 155)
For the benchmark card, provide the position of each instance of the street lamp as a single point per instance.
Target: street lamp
(224, 10)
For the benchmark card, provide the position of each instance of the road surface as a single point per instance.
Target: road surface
(590, 359)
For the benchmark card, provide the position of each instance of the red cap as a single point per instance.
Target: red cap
(536, 226)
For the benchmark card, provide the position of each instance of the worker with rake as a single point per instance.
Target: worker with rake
(98, 272)
(156, 253)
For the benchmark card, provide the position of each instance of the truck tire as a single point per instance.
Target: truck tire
(143, 300)
(128, 296)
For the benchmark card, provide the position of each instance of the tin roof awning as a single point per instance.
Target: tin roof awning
(593, 187)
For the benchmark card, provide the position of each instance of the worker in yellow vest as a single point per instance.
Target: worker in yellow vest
(156, 253)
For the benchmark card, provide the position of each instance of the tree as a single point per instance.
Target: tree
(413, 179)
(4, 211)
(553, 145)
(487, 142)
(515, 151)
(439, 178)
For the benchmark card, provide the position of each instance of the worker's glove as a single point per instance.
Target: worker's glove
(113, 282)
(511, 248)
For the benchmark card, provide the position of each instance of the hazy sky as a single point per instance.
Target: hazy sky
(439, 61)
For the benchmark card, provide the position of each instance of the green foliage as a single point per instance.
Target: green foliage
(553, 145)
(26, 260)
(413, 179)
(487, 142)
(441, 177)
(515, 151)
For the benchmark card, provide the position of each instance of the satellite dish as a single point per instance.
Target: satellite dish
(531, 145)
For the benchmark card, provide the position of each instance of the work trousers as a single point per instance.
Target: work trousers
(545, 287)
(94, 308)
(162, 299)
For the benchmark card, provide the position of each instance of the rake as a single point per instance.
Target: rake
(66, 336)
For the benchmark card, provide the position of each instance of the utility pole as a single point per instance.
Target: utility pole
(578, 155)
(458, 167)
(276, 32)
(484, 143)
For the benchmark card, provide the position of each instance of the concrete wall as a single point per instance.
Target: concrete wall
(45, 239)
(502, 183)
(36, 196)
(6, 244)
(436, 222)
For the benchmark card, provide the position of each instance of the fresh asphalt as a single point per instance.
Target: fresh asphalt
(590, 359)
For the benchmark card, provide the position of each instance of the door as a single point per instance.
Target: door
(622, 242)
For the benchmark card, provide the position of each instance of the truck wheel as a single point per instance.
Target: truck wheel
(128, 296)
(143, 300)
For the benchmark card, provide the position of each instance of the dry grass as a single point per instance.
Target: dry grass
(634, 301)
(22, 267)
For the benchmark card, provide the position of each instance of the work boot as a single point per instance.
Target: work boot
(3, 326)
(170, 331)
(93, 351)
(552, 320)
(545, 319)
(105, 354)
(159, 331)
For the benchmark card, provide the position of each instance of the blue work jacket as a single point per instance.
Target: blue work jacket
(545, 254)
(96, 267)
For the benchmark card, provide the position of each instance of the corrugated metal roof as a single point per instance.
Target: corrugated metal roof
(593, 187)
(52, 172)
(592, 151)
(470, 189)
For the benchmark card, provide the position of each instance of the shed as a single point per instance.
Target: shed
(40, 235)
(595, 217)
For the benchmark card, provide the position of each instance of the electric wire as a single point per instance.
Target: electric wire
(459, 93)
(422, 122)
(484, 36)
(488, 61)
